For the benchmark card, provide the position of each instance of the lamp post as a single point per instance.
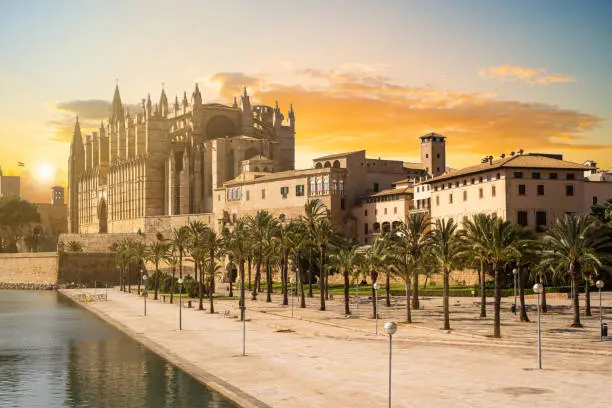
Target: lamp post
(357, 291)
(292, 280)
(600, 284)
(376, 287)
(144, 292)
(390, 329)
(180, 282)
(515, 273)
(538, 289)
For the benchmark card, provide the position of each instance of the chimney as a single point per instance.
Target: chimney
(490, 160)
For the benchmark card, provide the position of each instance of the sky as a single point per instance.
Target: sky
(493, 76)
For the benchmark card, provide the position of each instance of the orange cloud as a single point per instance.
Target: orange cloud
(537, 76)
(361, 110)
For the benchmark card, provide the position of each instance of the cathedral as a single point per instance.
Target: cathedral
(164, 162)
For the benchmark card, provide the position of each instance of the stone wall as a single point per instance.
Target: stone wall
(96, 242)
(28, 270)
(87, 268)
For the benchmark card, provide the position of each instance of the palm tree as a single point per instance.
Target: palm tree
(236, 243)
(158, 251)
(195, 229)
(572, 242)
(314, 211)
(448, 252)
(271, 254)
(503, 242)
(211, 244)
(257, 227)
(415, 234)
(323, 234)
(474, 233)
(344, 261)
(180, 241)
(369, 263)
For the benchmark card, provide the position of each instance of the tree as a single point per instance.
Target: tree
(74, 246)
(214, 245)
(344, 261)
(448, 252)
(323, 234)
(503, 244)
(195, 229)
(572, 242)
(236, 243)
(158, 251)
(474, 233)
(314, 211)
(181, 239)
(17, 217)
(257, 227)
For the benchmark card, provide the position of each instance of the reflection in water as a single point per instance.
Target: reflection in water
(55, 354)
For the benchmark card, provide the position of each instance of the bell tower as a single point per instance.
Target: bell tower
(433, 154)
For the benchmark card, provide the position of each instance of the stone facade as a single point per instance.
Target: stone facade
(166, 160)
(26, 269)
(9, 185)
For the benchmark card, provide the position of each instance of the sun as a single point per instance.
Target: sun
(44, 172)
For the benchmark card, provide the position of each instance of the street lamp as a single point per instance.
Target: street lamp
(376, 286)
(515, 273)
(292, 280)
(180, 282)
(144, 292)
(600, 284)
(390, 329)
(538, 289)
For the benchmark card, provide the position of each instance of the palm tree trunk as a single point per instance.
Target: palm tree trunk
(347, 310)
(172, 285)
(231, 287)
(284, 276)
(388, 288)
(543, 307)
(483, 291)
(250, 264)
(322, 280)
(326, 286)
(446, 301)
(195, 271)
(587, 295)
(415, 291)
(310, 275)
(408, 313)
(156, 280)
(521, 283)
(257, 272)
(497, 309)
(210, 288)
(268, 281)
(574, 272)
(241, 302)
(201, 291)
(129, 278)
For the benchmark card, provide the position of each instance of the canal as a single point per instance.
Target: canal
(55, 354)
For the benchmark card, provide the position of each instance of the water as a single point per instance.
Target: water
(55, 354)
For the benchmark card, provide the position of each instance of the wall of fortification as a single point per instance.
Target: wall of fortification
(28, 270)
(87, 268)
(96, 242)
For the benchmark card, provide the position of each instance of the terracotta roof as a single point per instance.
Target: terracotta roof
(390, 191)
(248, 178)
(518, 161)
(336, 155)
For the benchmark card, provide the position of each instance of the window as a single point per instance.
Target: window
(366, 230)
(299, 190)
(493, 191)
(480, 193)
(385, 211)
(342, 204)
(375, 212)
(594, 200)
(480, 179)
(569, 190)
(522, 218)
(450, 198)
(489, 177)
(473, 181)
(535, 175)
(366, 213)
(284, 192)
(571, 176)
(498, 176)
(465, 196)
(376, 187)
(450, 185)
(518, 174)
(465, 182)
(438, 155)
(325, 185)
(522, 189)
(427, 155)
(394, 210)
(540, 221)
(553, 176)
(263, 193)
(248, 195)
(437, 200)
(437, 169)
(540, 189)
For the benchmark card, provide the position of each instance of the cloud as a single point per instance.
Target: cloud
(538, 76)
(355, 110)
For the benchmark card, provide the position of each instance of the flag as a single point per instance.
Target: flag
(20, 164)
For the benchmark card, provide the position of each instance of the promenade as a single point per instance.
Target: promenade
(323, 359)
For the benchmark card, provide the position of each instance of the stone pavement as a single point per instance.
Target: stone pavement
(321, 359)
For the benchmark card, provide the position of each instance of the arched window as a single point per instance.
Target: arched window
(334, 186)
(325, 185)
(341, 186)
(386, 227)
(318, 166)
(256, 169)
(376, 227)
(319, 185)
(336, 164)
(327, 164)
(312, 186)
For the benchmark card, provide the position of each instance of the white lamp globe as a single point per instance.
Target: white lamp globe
(538, 288)
(390, 328)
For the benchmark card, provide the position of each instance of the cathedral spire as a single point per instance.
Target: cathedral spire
(291, 117)
(163, 103)
(117, 114)
(235, 105)
(197, 96)
(77, 139)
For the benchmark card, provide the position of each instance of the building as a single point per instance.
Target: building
(140, 170)
(531, 190)
(53, 219)
(9, 185)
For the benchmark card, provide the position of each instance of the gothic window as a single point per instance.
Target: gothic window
(230, 165)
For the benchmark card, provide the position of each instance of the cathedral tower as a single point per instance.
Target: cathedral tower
(76, 167)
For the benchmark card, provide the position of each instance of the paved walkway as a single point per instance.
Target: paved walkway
(326, 360)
